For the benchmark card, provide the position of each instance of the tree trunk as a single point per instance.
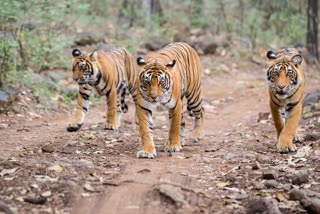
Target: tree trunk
(156, 8)
(196, 12)
(312, 31)
(224, 16)
(151, 8)
(127, 13)
(146, 11)
(241, 17)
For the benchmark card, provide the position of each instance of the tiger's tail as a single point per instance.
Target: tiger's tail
(131, 74)
(124, 106)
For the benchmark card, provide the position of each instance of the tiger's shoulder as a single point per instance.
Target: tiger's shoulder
(114, 54)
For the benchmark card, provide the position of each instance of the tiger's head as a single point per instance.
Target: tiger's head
(84, 68)
(283, 74)
(155, 79)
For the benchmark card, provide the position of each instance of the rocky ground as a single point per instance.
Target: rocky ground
(234, 169)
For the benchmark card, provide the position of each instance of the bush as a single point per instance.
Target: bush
(33, 34)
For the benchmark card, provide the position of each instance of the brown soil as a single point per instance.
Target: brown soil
(96, 171)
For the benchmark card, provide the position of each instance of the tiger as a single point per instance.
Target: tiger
(165, 77)
(109, 74)
(285, 76)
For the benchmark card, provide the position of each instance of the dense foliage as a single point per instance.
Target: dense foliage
(32, 35)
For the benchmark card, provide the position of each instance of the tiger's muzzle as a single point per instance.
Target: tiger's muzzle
(282, 89)
(84, 80)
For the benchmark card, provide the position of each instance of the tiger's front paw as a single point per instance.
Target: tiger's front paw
(172, 147)
(110, 127)
(144, 154)
(73, 127)
(285, 145)
(286, 149)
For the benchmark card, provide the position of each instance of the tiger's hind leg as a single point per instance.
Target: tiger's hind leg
(198, 131)
(119, 110)
(194, 106)
(82, 108)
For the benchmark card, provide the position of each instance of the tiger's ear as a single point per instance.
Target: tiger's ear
(141, 61)
(296, 59)
(271, 56)
(76, 53)
(171, 64)
(94, 55)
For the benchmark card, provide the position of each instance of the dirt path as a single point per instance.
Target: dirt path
(95, 171)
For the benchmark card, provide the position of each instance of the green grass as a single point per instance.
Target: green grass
(255, 84)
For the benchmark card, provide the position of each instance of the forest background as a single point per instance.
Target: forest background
(38, 35)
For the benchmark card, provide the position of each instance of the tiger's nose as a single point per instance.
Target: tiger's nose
(281, 86)
(154, 96)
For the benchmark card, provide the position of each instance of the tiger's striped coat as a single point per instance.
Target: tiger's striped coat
(166, 77)
(286, 89)
(110, 74)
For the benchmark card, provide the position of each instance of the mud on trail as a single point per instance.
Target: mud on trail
(234, 169)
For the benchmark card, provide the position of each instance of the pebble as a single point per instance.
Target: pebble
(312, 137)
(286, 187)
(313, 194)
(35, 200)
(47, 148)
(300, 178)
(120, 139)
(263, 206)
(211, 149)
(256, 165)
(68, 150)
(240, 196)
(229, 156)
(174, 193)
(312, 205)
(271, 184)
(3, 126)
(270, 174)
(5, 208)
(35, 186)
(46, 194)
(296, 194)
(263, 158)
(258, 186)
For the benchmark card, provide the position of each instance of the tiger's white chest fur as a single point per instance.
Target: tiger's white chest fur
(169, 103)
(165, 101)
(149, 105)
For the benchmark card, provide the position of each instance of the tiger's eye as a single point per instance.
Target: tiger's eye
(161, 79)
